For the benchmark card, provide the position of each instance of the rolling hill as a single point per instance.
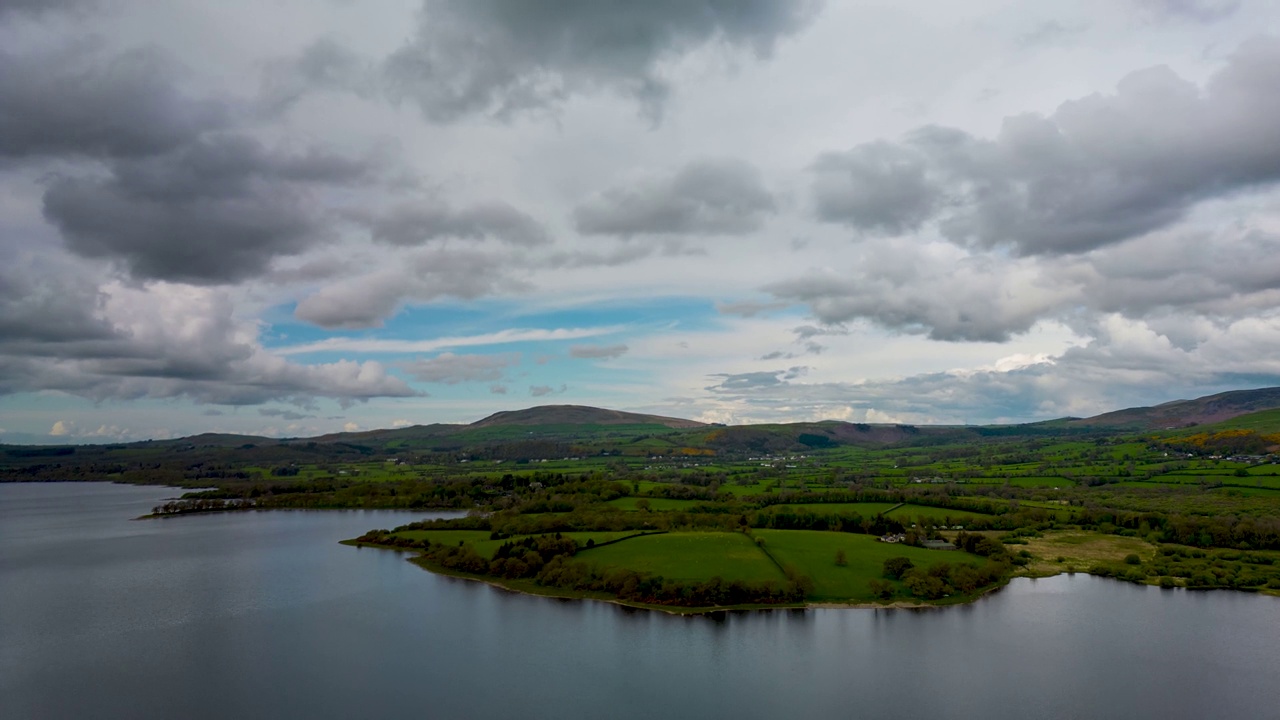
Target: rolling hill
(579, 415)
(1185, 413)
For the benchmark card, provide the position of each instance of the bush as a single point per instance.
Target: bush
(1132, 559)
(895, 567)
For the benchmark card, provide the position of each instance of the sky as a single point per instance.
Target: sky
(295, 217)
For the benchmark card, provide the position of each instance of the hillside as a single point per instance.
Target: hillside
(579, 415)
(1185, 413)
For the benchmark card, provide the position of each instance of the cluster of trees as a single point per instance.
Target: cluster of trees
(527, 557)
(388, 538)
(201, 505)
(1225, 531)
(785, 518)
(979, 544)
(938, 580)
(1197, 568)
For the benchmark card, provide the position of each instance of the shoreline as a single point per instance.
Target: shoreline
(528, 588)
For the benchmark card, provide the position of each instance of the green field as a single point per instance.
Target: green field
(689, 556)
(813, 553)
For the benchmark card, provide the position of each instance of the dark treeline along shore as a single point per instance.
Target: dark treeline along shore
(664, 512)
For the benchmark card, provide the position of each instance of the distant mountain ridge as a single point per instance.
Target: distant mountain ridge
(557, 422)
(580, 415)
(1184, 413)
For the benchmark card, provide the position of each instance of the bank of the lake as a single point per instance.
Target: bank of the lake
(530, 587)
(262, 614)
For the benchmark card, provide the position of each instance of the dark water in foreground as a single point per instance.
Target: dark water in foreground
(264, 615)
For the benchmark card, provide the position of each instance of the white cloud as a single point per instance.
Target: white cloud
(502, 337)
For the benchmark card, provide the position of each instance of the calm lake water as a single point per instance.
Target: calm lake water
(264, 615)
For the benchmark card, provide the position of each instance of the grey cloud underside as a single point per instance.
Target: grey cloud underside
(117, 372)
(64, 333)
(878, 187)
(417, 224)
(901, 286)
(322, 65)
(217, 210)
(1222, 277)
(748, 309)
(708, 197)
(39, 315)
(368, 300)
(1205, 11)
(545, 390)
(451, 369)
(75, 102)
(753, 381)
(35, 8)
(283, 414)
(501, 58)
(1115, 370)
(1098, 171)
(156, 180)
(597, 352)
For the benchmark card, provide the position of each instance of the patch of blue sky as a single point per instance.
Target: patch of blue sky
(491, 327)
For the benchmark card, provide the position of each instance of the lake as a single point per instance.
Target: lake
(265, 615)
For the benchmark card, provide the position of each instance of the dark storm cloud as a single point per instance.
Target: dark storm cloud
(419, 223)
(216, 210)
(174, 191)
(499, 58)
(77, 102)
(708, 197)
(1097, 171)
